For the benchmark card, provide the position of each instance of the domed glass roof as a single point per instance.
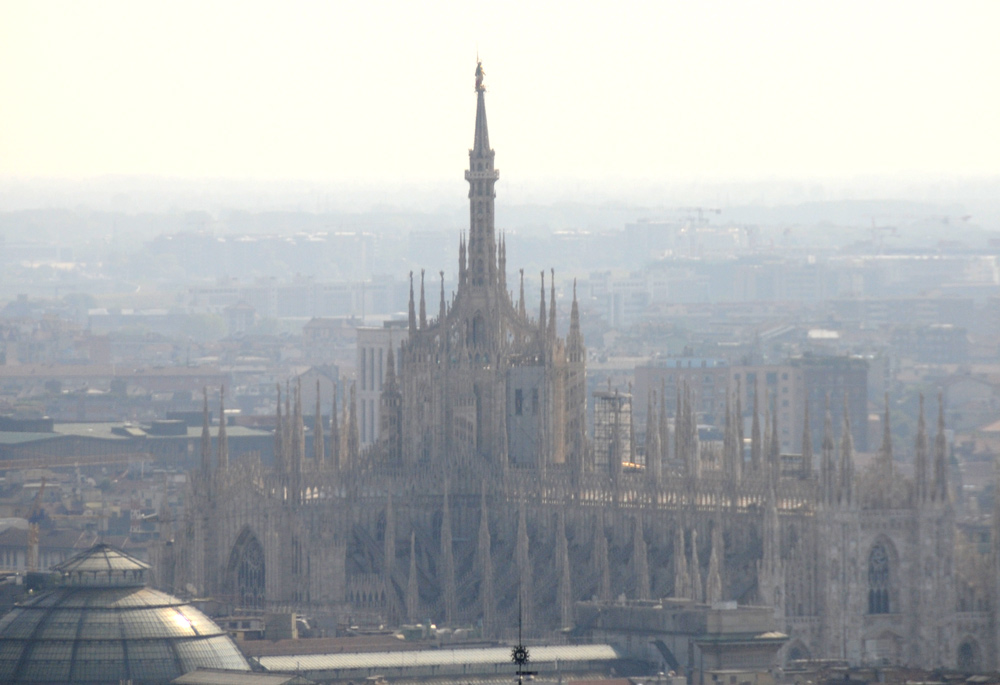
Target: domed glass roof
(103, 625)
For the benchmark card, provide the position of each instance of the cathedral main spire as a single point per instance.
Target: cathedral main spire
(482, 140)
(482, 247)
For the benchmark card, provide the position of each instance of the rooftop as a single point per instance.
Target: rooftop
(102, 625)
(101, 559)
(436, 658)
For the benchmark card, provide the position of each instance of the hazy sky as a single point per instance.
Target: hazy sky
(330, 91)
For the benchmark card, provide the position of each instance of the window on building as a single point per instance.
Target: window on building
(518, 402)
(878, 580)
(534, 401)
(247, 572)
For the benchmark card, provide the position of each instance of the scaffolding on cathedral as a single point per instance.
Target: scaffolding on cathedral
(612, 429)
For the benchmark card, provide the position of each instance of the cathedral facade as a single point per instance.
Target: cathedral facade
(483, 494)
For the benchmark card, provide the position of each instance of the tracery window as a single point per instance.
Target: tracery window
(878, 580)
(247, 571)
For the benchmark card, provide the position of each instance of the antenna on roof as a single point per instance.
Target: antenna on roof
(519, 654)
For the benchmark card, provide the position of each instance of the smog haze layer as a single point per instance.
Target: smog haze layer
(321, 106)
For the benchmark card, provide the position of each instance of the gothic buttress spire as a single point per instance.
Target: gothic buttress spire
(423, 303)
(389, 541)
(391, 413)
(730, 449)
(502, 265)
(353, 438)
(412, 310)
(206, 441)
(691, 423)
(484, 564)
(640, 560)
(442, 310)
(846, 460)
(682, 581)
(697, 587)
(412, 586)
(885, 452)
(739, 426)
(461, 259)
(807, 445)
(681, 578)
(298, 434)
(334, 432)
(319, 446)
(737, 438)
(940, 457)
(552, 305)
(680, 451)
(520, 303)
(755, 444)
(541, 309)
(920, 455)
(574, 341)
(564, 589)
(652, 439)
(774, 455)
(279, 448)
(828, 465)
(713, 583)
(222, 462)
(286, 428)
(447, 555)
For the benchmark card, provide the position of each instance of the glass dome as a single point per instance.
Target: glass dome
(103, 625)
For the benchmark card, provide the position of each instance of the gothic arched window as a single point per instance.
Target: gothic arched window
(878, 580)
(246, 570)
(478, 330)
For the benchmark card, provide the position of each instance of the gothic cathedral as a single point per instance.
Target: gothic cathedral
(483, 489)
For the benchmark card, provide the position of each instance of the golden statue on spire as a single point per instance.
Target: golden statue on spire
(479, 76)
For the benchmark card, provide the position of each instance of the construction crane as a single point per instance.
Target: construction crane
(34, 516)
(946, 219)
(878, 234)
(701, 212)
